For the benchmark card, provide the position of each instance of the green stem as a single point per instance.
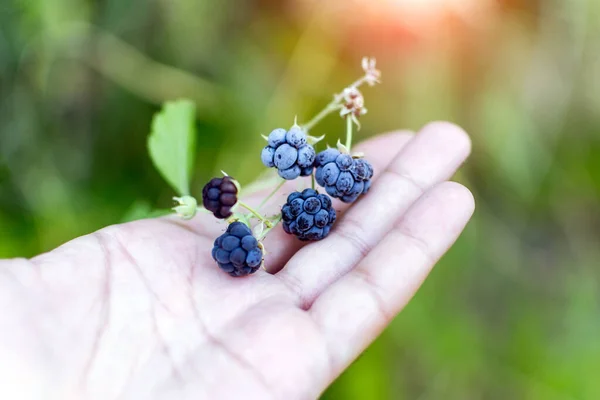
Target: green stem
(255, 213)
(349, 124)
(332, 106)
(275, 222)
(312, 181)
(279, 185)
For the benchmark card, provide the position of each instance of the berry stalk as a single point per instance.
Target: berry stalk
(256, 214)
(349, 124)
(266, 200)
(334, 105)
(273, 223)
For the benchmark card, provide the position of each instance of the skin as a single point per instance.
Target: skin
(140, 310)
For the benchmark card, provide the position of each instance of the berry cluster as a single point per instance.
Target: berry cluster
(237, 252)
(219, 196)
(343, 176)
(308, 215)
(289, 152)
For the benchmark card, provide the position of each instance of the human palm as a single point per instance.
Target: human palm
(141, 310)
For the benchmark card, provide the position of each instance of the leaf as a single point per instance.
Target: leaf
(172, 143)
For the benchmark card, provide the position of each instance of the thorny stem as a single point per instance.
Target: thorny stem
(349, 123)
(279, 185)
(332, 106)
(256, 214)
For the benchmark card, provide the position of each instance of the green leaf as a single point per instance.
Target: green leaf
(172, 143)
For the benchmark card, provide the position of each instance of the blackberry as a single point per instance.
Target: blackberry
(237, 252)
(219, 196)
(308, 215)
(343, 176)
(289, 152)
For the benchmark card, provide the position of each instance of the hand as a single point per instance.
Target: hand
(141, 310)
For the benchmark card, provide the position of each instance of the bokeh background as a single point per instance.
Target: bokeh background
(512, 312)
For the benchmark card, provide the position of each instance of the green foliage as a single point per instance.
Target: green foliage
(172, 144)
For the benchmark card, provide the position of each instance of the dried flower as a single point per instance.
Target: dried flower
(372, 74)
(353, 103)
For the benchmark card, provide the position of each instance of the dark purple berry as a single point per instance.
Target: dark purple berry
(219, 196)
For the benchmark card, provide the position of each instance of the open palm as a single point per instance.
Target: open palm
(141, 310)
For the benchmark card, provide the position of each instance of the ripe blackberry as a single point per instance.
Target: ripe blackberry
(343, 176)
(237, 252)
(289, 152)
(219, 196)
(308, 215)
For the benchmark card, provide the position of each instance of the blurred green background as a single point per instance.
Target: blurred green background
(512, 312)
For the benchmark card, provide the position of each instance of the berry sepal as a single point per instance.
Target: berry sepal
(186, 207)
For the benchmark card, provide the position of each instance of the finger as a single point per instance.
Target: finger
(354, 310)
(431, 157)
(281, 246)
